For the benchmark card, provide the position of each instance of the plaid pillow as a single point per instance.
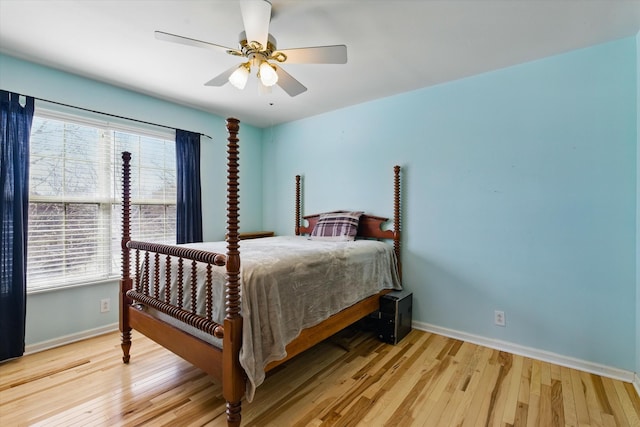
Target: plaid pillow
(336, 226)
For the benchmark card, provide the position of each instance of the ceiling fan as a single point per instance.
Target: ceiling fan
(259, 48)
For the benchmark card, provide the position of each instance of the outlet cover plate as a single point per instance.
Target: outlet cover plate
(498, 318)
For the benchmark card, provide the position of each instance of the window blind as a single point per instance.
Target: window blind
(74, 198)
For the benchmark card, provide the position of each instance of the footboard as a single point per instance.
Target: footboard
(157, 302)
(166, 279)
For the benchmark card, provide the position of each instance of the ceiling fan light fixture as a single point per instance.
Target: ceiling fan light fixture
(259, 48)
(240, 76)
(267, 74)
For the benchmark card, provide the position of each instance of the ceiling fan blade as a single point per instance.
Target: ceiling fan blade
(256, 15)
(264, 90)
(161, 35)
(221, 78)
(336, 54)
(288, 83)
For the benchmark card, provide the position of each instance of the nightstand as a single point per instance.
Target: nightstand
(255, 234)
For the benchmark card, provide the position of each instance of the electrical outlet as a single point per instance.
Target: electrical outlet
(498, 318)
(105, 305)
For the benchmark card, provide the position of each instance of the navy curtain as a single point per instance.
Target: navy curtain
(189, 202)
(15, 123)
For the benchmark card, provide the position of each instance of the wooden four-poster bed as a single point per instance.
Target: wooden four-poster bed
(227, 329)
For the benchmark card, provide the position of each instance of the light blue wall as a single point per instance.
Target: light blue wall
(638, 205)
(519, 195)
(54, 314)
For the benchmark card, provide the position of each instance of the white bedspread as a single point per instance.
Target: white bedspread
(290, 283)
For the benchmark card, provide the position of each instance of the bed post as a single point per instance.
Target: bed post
(233, 382)
(396, 216)
(297, 205)
(125, 281)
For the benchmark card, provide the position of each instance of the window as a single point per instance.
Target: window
(74, 197)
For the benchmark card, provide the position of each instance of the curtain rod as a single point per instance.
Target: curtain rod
(112, 115)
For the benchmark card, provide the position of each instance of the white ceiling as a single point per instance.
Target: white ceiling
(393, 46)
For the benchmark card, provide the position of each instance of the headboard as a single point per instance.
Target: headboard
(369, 226)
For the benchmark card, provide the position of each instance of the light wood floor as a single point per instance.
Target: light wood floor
(350, 380)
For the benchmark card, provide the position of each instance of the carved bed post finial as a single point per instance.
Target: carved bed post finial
(396, 216)
(125, 281)
(297, 205)
(232, 378)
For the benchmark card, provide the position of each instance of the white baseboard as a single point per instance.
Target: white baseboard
(68, 339)
(533, 353)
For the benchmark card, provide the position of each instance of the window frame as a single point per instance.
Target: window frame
(44, 110)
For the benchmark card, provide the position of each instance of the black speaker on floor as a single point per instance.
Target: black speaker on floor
(395, 316)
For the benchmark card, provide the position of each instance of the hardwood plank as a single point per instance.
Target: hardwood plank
(475, 369)
(431, 395)
(630, 410)
(545, 408)
(580, 399)
(569, 405)
(601, 395)
(351, 379)
(632, 393)
(446, 403)
(595, 412)
(428, 349)
(513, 392)
(533, 414)
(525, 381)
(557, 404)
(617, 409)
(496, 403)
(477, 412)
